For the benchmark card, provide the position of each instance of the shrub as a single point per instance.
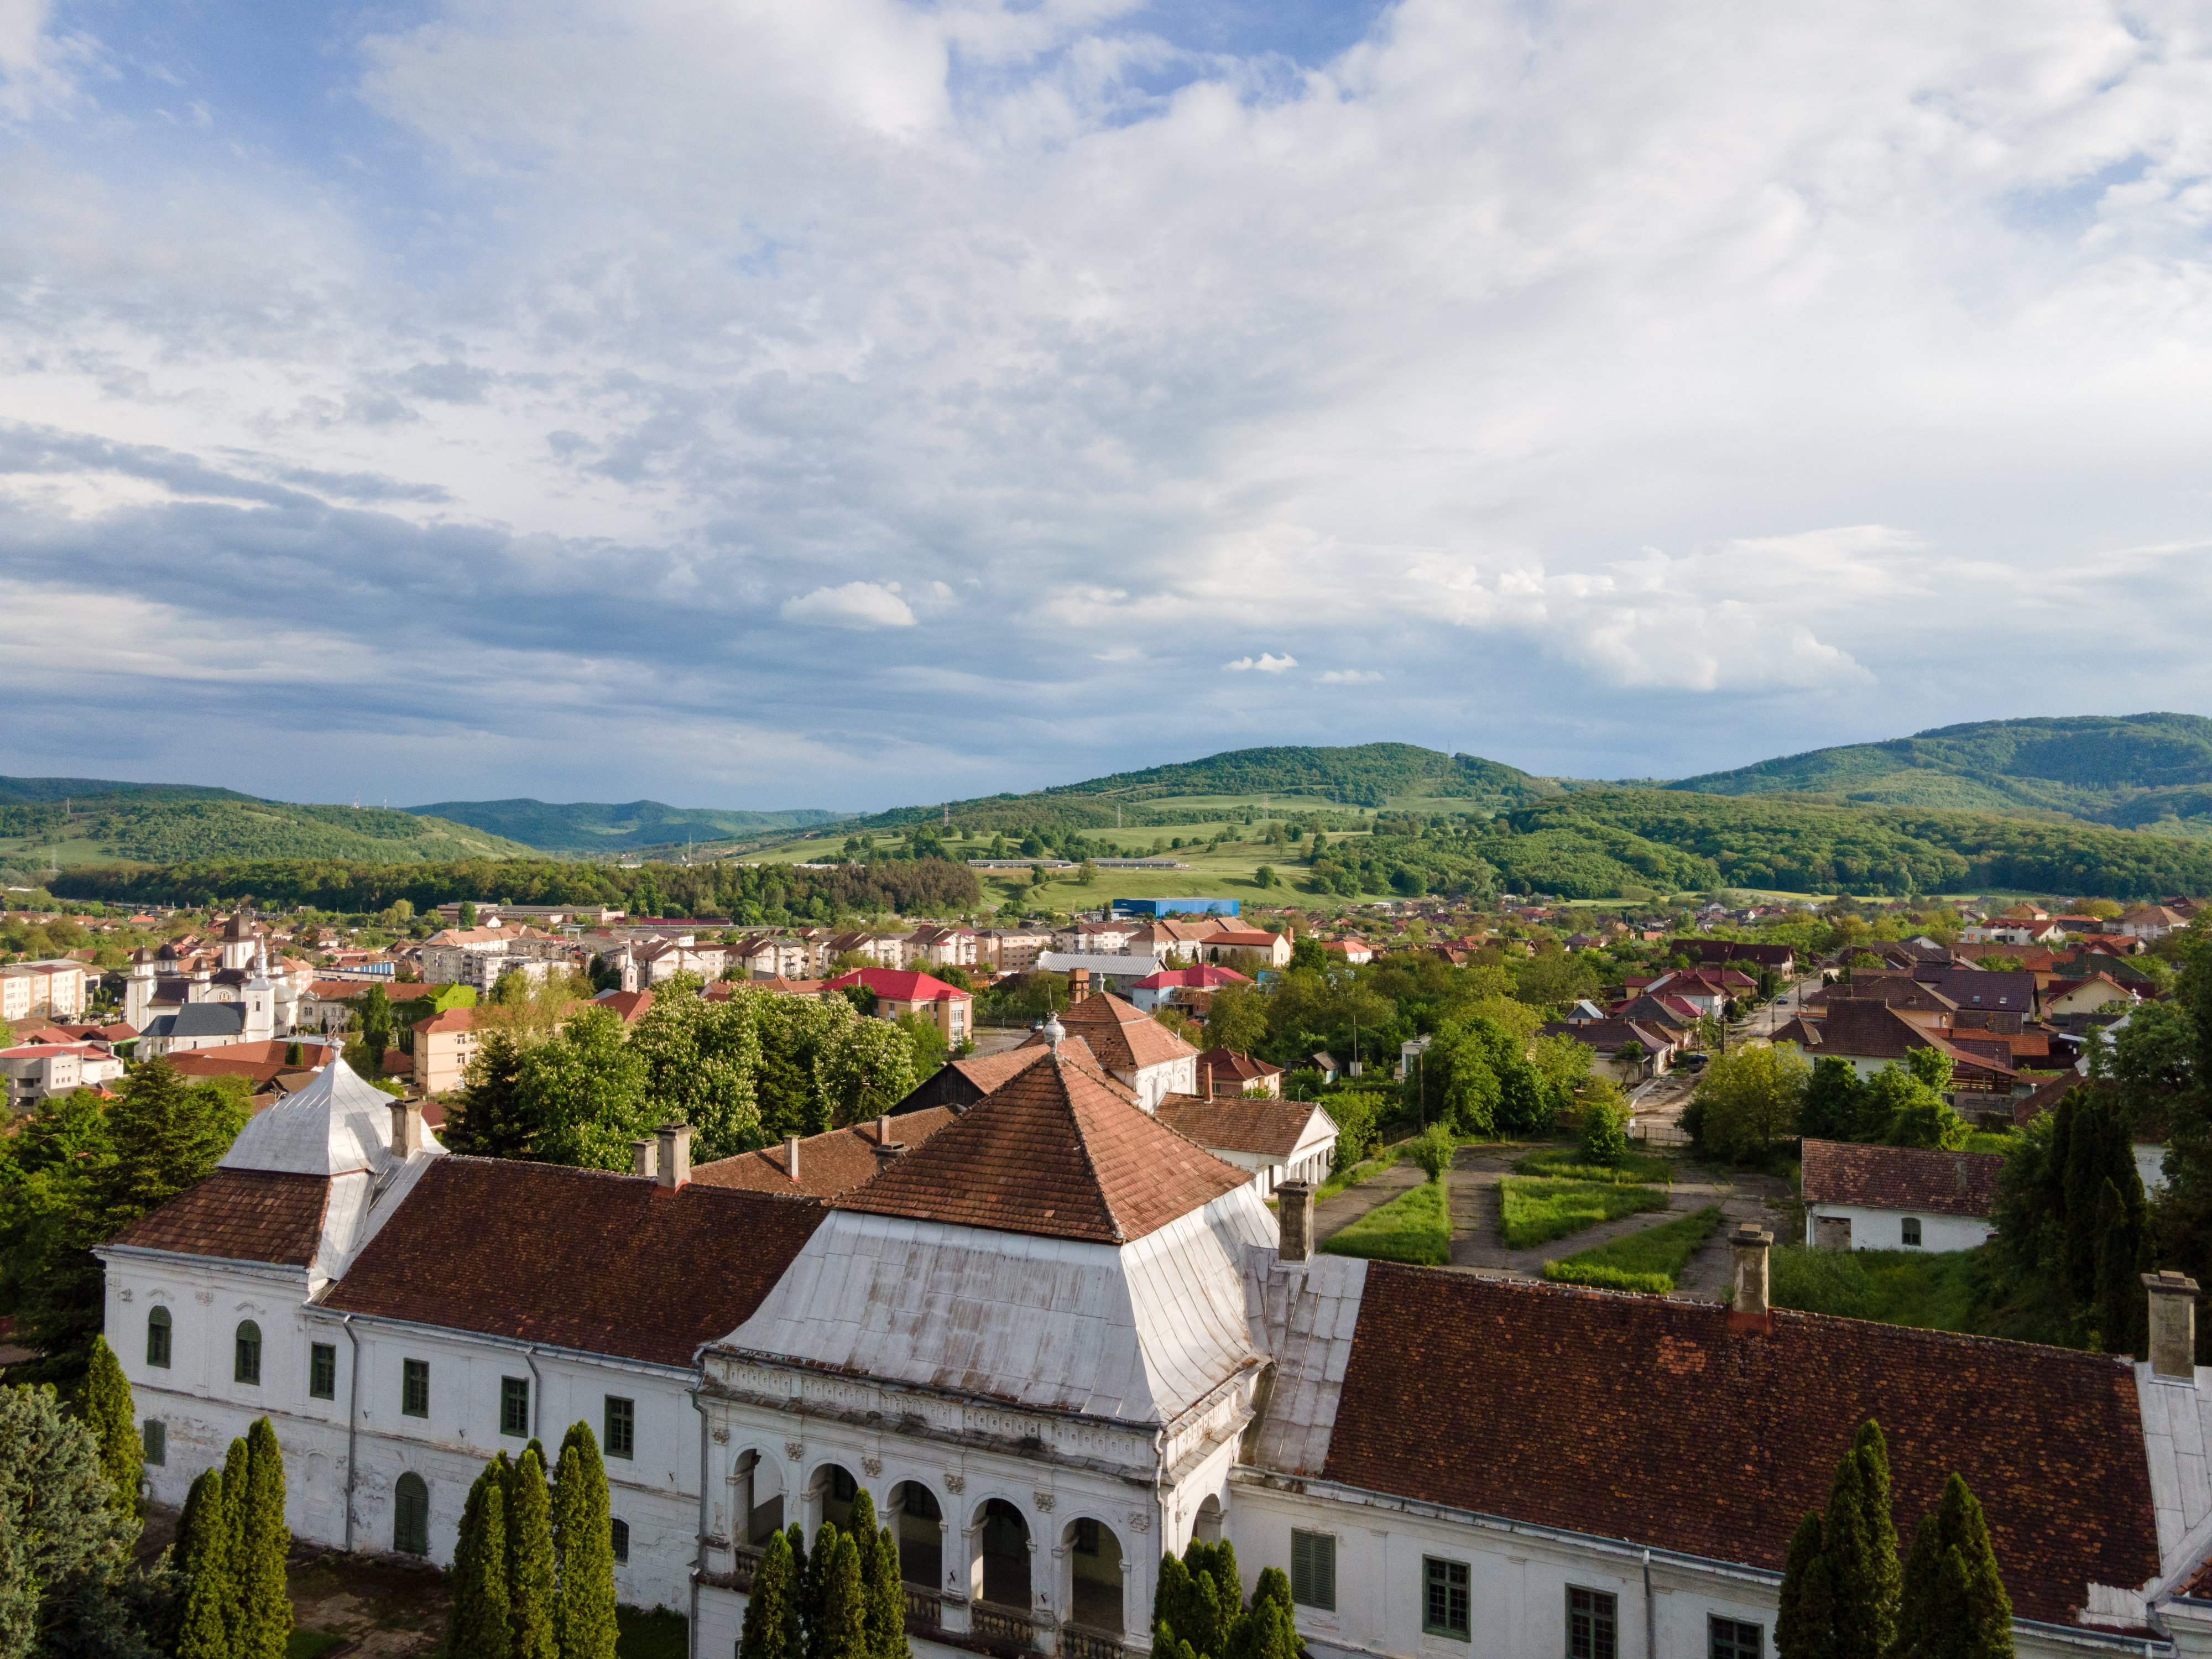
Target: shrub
(1605, 1132)
(1433, 1151)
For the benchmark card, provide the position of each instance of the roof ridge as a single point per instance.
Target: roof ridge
(1082, 1147)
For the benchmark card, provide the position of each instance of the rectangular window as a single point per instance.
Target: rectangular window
(1912, 1230)
(621, 1437)
(1592, 1621)
(157, 1441)
(1731, 1639)
(1313, 1570)
(414, 1387)
(515, 1407)
(1445, 1609)
(322, 1371)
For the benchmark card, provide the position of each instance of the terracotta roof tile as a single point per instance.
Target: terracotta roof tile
(1272, 1129)
(1901, 1178)
(1058, 1150)
(241, 1215)
(600, 1263)
(1123, 1036)
(1646, 1420)
(827, 1163)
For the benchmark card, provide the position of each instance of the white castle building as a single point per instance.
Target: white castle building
(1057, 1338)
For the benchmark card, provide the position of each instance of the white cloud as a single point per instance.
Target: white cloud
(1350, 677)
(1267, 663)
(856, 605)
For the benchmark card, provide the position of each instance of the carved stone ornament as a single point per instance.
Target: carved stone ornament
(1140, 1522)
(205, 1299)
(955, 1484)
(872, 1467)
(1043, 1501)
(722, 1435)
(794, 1450)
(123, 1295)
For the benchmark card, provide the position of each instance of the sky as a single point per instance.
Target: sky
(853, 403)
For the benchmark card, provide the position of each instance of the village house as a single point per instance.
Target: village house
(1190, 989)
(1897, 1198)
(1277, 1141)
(1092, 1343)
(1224, 1072)
(1622, 1049)
(1249, 949)
(1137, 1051)
(900, 992)
(39, 1071)
(2150, 921)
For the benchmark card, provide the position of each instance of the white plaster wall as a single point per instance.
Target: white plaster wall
(2150, 1165)
(1883, 1230)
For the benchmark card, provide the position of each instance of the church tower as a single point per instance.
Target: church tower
(260, 1001)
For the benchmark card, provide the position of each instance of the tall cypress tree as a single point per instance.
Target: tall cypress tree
(202, 1552)
(1804, 1621)
(2123, 1313)
(1954, 1605)
(2087, 1166)
(265, 1609)
(843, 1630)
(530, 1578)
(1859, 1545)
(883, 1595)
(814, 1605)
(481, 1627)
(772, 1628)
(237, 1465)
(583, 1545)
(108, 1413)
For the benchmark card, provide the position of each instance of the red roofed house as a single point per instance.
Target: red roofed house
(37, 1070)
(1224, 1072)
(1897, 1198)
(902, 991)
(1184, 987)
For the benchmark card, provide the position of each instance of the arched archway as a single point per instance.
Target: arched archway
(759, 1498)
(1003, 1551)
(919, 1525)
(1205, 1527)
(1094, 1563)
(831, 1494)
(411, 1515)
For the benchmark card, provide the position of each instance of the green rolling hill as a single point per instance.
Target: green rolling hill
(597, 826)
(69, 829)
(2134, 771)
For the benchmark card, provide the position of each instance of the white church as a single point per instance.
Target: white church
(1056, 1339)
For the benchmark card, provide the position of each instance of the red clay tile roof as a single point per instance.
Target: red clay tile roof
(453, 1019)
(827, 1163)
(1238, 1124)
(241, 1215)
(600, 1263)
(1229, 1066)
(1122, 1035)
(988, 1071)
(1058, 1150)
(1646, 1420)
(900, 985)
(1901, 1178)
(630, 1005)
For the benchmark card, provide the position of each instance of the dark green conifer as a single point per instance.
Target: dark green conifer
(530, 1577)
(1954, 1603)
(2123, 1312)
(203, 1554)
(882, 1594)
(237, 1465)
(843, 1630)
(108, 1413)
(1859, 1545)
(2085, 1175)
(583, 1545)
(1804, 1621)
(772, 1629)
(264, 1608)
(481, 1627)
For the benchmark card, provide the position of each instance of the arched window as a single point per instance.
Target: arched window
(920, 1534)
(248, 1365)
(410, 1516)
(157, 1338)
(622, 1540)
(1006, 1550)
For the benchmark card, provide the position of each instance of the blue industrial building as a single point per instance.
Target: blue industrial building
(1183, 907)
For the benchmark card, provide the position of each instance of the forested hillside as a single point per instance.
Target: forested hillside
(31, 792)
(2149, 770)
(596, 827)
(176, 831)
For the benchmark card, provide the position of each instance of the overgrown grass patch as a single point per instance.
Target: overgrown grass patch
(1931, 1290)
(1565, 1163)
(1652, 1260)
(1368, 1170)
(1414, 1226)
(307, 1643)
(1533, 1210)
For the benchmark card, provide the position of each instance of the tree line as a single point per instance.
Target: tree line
(843, 1598)
(533, 1572)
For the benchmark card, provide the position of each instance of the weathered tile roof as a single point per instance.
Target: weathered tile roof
(579, 1258)
(240, 1215)
(1058, 1150)
(1901, 1178)
(827, 1163)
(1648, 1419)
(1237, 1123)
(1122, 1035)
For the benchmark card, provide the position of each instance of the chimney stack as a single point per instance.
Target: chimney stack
(1748, 1308)
(1209, 1079)
(406, 1127)
(1078, 985)
(2172, 1325)
(675, 1155)
(791, 1156)
(888, 1152)
(1294, 1203)
(882, 1129)
(641, 1160)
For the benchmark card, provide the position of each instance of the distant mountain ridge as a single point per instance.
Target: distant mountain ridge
(601, 827)
(2136, 771)
(42, 791)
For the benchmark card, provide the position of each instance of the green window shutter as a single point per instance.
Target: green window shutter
(620, 1439)
(323, 1370)
(1313, 1570)
(157, 1441)
(414, 1387)
(515, 1407)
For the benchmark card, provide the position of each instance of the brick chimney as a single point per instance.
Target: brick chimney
(1209, 1079)
(2172, 1325)
(406, 1127)
(1078, 985)
(641, 1160)
(1747, 1307)
(791, 1156)
(1294, 1202)
(675, 1155)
